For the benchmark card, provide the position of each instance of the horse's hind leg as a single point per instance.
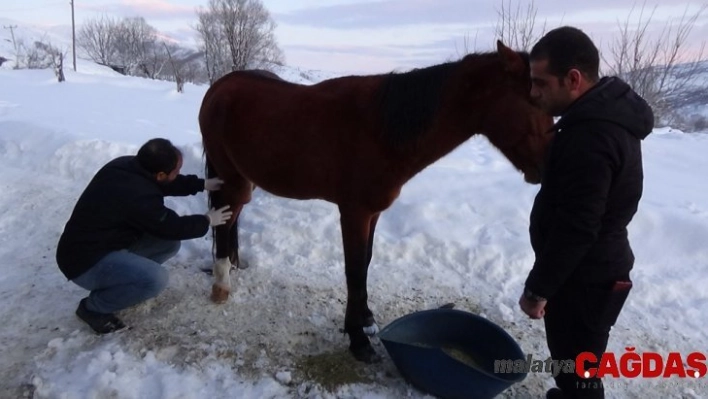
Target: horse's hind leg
(233, 231)
(358, 321)
(235, 192)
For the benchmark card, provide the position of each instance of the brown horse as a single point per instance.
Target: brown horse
(354, 141)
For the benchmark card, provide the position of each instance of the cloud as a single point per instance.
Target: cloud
(378, 59)
(397, 34)
(149, 9)
(389, 13)
(184, 35)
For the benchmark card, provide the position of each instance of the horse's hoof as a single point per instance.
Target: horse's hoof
(219, 293)
(365, 354)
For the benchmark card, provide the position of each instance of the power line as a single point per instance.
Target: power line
(12, 33)
(73, 34)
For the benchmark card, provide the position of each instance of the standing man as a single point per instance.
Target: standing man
(120, 231)
(589, 193)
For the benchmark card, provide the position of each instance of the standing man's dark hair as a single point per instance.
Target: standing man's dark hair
(158, 155)
(568, 48)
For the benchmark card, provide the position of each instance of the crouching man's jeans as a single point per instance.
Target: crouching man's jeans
(128, 277)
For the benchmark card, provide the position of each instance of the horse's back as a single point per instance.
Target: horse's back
(287, 138)
(260, 101)
(236, 94)
(249, 75)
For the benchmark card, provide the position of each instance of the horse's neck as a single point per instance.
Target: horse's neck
(454, 125)
(439, 142)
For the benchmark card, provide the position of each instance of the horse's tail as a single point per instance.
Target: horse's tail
(209, 172)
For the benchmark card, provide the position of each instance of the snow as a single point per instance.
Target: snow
(458, 233)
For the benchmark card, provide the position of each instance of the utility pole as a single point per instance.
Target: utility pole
(12, 33)
(73, 34)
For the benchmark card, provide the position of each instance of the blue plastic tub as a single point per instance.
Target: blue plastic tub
(450, 353)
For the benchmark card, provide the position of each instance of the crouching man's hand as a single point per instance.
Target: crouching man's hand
(213, 184)
(219, 216)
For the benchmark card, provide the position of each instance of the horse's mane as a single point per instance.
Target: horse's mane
(410, 100)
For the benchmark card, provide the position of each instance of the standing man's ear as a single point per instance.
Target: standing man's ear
(575, 79)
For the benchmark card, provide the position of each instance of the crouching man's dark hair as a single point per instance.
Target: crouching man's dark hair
(158, 155)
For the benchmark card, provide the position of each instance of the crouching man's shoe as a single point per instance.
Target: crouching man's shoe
(101, 323)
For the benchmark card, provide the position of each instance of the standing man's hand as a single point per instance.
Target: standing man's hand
(534, 307)
(213, 184)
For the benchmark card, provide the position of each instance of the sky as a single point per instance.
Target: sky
(365, 36)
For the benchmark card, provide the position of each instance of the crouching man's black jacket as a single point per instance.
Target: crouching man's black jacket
(590, 190)
(120, 204)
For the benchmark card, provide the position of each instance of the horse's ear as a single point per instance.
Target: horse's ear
(511, 59)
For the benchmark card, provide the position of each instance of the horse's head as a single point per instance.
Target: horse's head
(511, 121)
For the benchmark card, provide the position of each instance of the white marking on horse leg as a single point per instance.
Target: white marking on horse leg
(221, 272)
(222, 286)
(371, 330)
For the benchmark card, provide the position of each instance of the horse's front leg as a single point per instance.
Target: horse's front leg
(358, 320)
(374, 328)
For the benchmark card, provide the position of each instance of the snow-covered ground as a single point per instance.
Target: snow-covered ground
(458, 233)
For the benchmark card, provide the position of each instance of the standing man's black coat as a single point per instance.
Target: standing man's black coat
(591, 186)
(122, 202)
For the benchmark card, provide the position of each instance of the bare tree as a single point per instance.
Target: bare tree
(130, 47)
(211, 44)
(156, 61)
(55, 58)
(15, 45)
(41, 55)
(243, 27)
(516, 27)
(129, 44)
(192, 68)
(136, 46)
(657, 68)
(468, 45)
(59, 66)
(176, 70)
(97, 37)
(32, 56)
(25, 58)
